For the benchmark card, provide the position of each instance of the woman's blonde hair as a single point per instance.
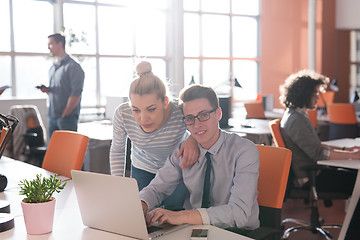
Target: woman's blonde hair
(147, 82)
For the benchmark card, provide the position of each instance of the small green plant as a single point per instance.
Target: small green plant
(41, 188)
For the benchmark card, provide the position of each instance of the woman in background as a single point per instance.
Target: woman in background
(299, 93)
(154, 125)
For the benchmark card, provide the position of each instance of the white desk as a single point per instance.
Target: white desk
(275, 113)
(352, 164)
(258, 128)
(67, 221)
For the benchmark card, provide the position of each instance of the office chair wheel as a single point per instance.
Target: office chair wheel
(314, 230)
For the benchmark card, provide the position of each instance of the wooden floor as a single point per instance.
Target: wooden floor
(295, 208)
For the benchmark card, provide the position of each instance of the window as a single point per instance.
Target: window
(221, 44)
(25, 52)
(118, 34)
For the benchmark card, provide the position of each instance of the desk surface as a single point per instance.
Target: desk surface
(250, 126)
(67, 221)
(98, 130)
(344, 142)
(352, 164)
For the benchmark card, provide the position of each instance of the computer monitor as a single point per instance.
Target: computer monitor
(226, 106)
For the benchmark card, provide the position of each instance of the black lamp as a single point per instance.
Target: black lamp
(192, 81)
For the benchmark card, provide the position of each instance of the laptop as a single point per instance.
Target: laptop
(112, 203)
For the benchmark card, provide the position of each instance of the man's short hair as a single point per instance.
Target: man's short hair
(58, 37)
(198, 91)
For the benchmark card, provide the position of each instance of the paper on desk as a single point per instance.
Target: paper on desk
(344, 142)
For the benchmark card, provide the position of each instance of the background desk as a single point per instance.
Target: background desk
(352, 164)
(97, 154)
(67, 221)
(257, 130)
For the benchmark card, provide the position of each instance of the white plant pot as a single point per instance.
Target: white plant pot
(39, 217)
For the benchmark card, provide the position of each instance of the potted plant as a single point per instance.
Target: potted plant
(39, 205)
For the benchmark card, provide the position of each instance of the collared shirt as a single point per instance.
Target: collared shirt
(66, 79)
(234, 175)
(149, 150)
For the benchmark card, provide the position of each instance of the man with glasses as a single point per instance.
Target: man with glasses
(222, 183)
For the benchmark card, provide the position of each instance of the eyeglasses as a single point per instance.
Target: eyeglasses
(202, 117)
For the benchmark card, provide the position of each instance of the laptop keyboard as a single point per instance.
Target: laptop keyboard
(153, 229)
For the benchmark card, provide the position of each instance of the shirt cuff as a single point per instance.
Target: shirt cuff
(146, 204)
(204, 216)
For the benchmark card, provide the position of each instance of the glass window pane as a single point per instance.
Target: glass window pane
(217, 75)
(31, 28)
(84, 0)
(144, 4)
(116, 75)
(89, 96)
(153, 4)
(215, 36)
(80, 26)
(245, 35)
(117, 2)
(5, 71)
(30, 72)
(191, 70)
(246, 7)
(117, 40)
(151, 34)
(191, 5)
(158, 68)
(216, 6)
(191, 35)
(246, 72)
(4, 27)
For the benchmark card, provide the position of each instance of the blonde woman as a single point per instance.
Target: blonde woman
(154, 125)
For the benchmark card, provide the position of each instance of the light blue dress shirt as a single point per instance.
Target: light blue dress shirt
(234, 176)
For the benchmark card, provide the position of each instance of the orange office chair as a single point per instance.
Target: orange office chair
(254, 110)
(312, 114)
(325, 98)
(66, 151)
(343, 122)
(273, 175)
(310, 195)
(276, 134)
(7, 126)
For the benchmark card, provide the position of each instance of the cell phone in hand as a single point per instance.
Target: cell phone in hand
(4, 87)
(199, 234)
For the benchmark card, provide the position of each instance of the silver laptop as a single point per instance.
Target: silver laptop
(112, 203)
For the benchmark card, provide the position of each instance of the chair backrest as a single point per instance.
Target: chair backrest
(66, 151)
(273, 177)
(343, 122)
(276, 134)
(312, 113)
(325, 99)
(342, 113)
(7, 126)
(3, 139)
(29, 116)
(254, 110)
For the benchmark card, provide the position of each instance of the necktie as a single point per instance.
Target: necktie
(206, 193)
